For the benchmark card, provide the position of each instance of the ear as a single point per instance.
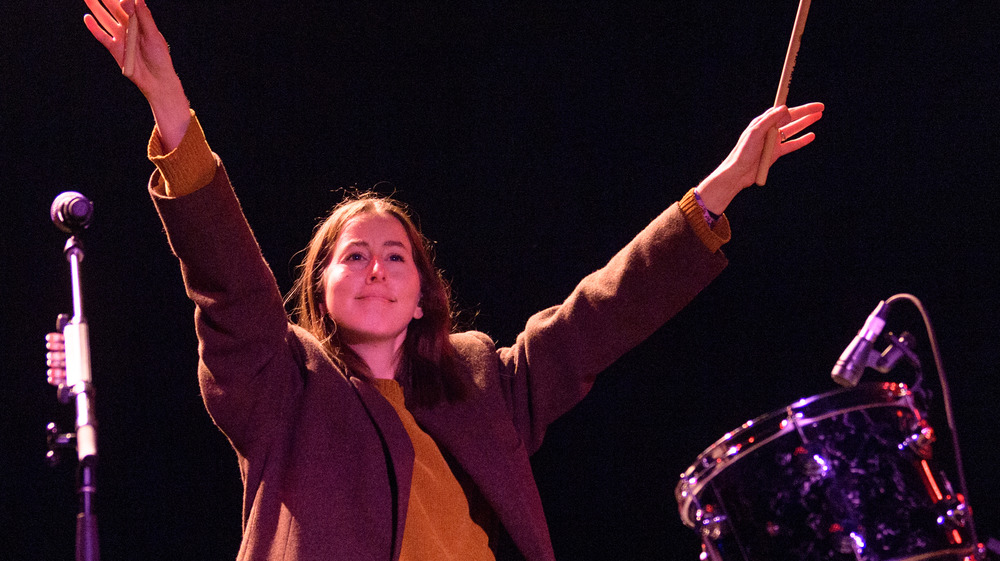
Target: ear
(322, 310)
(418, 312)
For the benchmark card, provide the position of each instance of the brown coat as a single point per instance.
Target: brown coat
(325, 461)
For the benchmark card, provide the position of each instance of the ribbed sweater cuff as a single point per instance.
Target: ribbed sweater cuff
(188, 167)
(713, 237)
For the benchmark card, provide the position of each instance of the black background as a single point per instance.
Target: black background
(533, 142)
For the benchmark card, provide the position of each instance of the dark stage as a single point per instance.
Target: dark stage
(533, 142)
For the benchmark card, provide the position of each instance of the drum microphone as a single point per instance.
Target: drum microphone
(71, 212)
(858, 355)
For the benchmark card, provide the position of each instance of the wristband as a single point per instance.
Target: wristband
(710, 216)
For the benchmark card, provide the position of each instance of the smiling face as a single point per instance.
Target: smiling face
(371, 284)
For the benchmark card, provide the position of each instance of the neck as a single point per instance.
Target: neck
(382, 357)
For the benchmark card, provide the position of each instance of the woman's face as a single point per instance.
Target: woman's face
(372, 286)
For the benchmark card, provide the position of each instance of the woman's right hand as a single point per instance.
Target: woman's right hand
(127, 30)
(55, 358)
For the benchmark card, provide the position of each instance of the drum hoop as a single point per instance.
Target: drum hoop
(940, 554)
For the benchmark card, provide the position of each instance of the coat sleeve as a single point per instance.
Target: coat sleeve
(555, 360)
(247, 370)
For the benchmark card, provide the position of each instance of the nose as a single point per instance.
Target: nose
(376, 272)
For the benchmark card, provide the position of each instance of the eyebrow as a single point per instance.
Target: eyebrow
(390, 243)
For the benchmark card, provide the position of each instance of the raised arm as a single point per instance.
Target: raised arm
(150, 68)
(248, 371)
(556, 358)
(127, 30)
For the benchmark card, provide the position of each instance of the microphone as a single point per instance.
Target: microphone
(71, 212)
(858, 355)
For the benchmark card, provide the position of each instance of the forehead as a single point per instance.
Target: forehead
(375, 229)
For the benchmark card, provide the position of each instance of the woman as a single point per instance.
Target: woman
(365, 429)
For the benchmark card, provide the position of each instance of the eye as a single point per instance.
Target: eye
(356, 256)
(397, 257)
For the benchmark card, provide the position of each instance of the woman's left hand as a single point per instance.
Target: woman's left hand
(739, 170)
(127, 30)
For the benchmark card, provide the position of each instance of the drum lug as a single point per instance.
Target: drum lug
(920, 442)
(979, 554)
(710, 523)
(853, 542)
(952, 513)
(815, 466)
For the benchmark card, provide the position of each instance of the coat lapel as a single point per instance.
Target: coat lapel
(399, 450)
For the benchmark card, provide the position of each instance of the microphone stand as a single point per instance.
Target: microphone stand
(73, 218)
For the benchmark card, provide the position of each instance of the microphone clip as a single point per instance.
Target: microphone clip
(900, 347)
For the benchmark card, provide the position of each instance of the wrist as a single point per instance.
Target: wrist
(172, 113)
(715, 194)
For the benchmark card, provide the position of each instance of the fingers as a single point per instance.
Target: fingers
(114, 6)
(803, 117)
(55, 341)
(798, 125)
(801, 110)
(792, 145)
(787, 122)
(55, 377)
(55, 359)
(782, 115)
(105, 28)
(110, 24)
(99, 33)
(789, 144)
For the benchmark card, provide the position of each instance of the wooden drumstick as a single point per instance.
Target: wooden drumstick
(131, 39)
(786, 79)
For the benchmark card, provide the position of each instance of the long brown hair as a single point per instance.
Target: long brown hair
(428, 366)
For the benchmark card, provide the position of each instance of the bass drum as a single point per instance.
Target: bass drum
(842, 476)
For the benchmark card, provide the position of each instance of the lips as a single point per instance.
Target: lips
(374, 297)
